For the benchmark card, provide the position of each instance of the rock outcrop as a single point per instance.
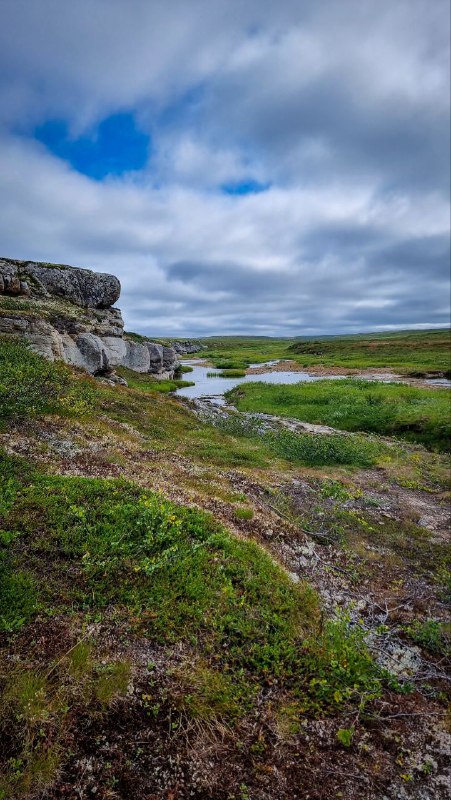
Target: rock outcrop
(187, 347)
(66, 313)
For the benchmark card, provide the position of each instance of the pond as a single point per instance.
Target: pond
(214, 387)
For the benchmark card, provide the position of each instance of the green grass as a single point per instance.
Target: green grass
(139, 338)
(147, 383)
(431, 634)
(308, 449)
(76, 551)
(137, 549)
(15, 304)
(30, 385)
(227, 373)
(416, 414)
(96, 544)
(413, 352)
(314, 450)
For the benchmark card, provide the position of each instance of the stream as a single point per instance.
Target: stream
(212, 387)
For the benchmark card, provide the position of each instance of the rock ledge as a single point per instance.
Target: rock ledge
(66, 313)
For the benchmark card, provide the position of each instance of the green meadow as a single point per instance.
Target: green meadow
(392, 409)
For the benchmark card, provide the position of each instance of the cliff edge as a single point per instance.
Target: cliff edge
(67, 313)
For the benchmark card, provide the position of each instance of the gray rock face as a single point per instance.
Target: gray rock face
(155, 356)
(93, 353)
(70, 318)
(136, 357)
(83, 287)
(170, 361)
(163, 360)
(186, 347)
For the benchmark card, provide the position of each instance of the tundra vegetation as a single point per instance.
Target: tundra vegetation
(215, 609)
(415, 353)
(391, 409)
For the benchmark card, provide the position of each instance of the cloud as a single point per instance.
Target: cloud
(298, 174)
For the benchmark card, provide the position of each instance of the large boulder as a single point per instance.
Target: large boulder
(137, 357)
(170, 361)
(155, 356)
(187, 347)
(83, 287)
(93, 353)
(115, 348)
(65, 313)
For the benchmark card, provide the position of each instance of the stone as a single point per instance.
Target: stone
(71, 319)
(137, 357)
(155, 356)
(115, 348)
(83, 287)
(94, 356)
(170, 361)
(186, 347)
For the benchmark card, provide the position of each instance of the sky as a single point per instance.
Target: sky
(243, 166)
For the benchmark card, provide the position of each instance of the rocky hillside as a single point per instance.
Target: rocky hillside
(67, 313)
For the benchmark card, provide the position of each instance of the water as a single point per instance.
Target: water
(438, 381)
(214, 388)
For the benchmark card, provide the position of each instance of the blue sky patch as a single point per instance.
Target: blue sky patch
(116, 146)
(245, 187)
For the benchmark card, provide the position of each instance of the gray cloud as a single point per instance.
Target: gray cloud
(341, 108)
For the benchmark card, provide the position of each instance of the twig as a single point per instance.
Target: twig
(408, 714)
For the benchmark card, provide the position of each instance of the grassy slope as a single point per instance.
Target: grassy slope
(101, 577)
(417, 414)
(72, 548)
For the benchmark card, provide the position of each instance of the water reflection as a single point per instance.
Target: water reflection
(215, 387)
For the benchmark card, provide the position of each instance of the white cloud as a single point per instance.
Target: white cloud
(340, 107)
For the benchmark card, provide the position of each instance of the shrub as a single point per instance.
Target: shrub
(311, 449)
(342, 667)
(431, 634)
(28, 383)
(244, 513)
(180, 577)
(315, 450)
(17, 598)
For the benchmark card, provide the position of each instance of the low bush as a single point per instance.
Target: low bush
(316, 450)
(310, 449)
(431, 634)
(30, 385)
